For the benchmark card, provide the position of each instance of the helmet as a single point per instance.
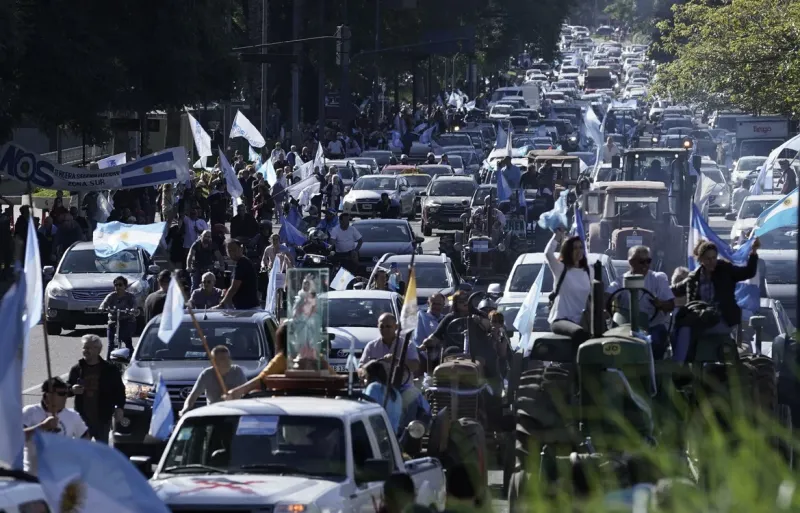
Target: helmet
(487, 305)
(316, 235)
(312, 210)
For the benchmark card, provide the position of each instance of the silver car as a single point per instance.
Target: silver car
(82, 280)
(363, 198)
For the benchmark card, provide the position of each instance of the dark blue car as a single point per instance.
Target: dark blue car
(383, 236)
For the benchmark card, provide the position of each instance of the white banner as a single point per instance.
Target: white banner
(201, 138)
(167, 166)
(113, 160)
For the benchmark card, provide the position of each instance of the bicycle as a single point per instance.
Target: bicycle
(119, 312)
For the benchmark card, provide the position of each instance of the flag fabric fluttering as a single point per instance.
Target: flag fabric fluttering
(342, 279)
(747, 292)
(502, 138)
(163, 418)
(271, 305)
(33, 278)
(81, 476)
(113, 160)
(510, 141)
(231, 180)
(201, 138)
(242, 127)
(427, 135)
(408, 314)
(289, 234)
(253, 156)
(172, 315)
(556, 218)
(764, 178)
(781, 214)
(503, 189)
(527, 312)
(578, 228)
(267, 170)
(115, 237)
(12, 343)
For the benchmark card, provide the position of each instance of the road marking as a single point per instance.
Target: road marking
(29, 391)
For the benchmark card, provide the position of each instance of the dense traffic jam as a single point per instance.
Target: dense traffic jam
(522, 293)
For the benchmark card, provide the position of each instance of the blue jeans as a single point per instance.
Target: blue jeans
(125, 336)
(659, 338)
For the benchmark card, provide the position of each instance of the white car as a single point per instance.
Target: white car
(744, 166)
(289, 455)
(20, 493)
(752, 207)
(363, 198)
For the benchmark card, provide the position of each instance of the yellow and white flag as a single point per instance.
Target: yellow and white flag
(408, 315)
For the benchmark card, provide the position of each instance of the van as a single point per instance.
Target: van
(503, 92)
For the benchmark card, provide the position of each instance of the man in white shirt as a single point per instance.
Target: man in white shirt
(656, 309)
(277, 155)
(740, 194)
(192, 226)
(346, 243)
(50, 415)
(610, 150)
(335, 147)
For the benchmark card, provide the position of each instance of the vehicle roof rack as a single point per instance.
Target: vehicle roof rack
(324, 386)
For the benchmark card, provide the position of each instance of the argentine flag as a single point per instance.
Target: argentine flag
(115, 237)
(747, 292)
(231, 180)
(163, 418)
(781, 214)
(161, 167)
(523, 323)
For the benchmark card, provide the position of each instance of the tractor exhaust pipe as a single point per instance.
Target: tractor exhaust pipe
(598, 302)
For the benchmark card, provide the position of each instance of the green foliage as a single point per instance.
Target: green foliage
(70, 63)
(741, 54)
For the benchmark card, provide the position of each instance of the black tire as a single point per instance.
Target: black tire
(516, 490)
(542, 411)
(426, 230)
(53, 328)
(467, 445)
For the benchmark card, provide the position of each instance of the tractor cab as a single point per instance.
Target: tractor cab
(566, 168)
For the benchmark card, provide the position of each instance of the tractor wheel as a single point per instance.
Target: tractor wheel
(467, 445)
(516, 490)
(763, 379)
(724, 386)
(541, 407)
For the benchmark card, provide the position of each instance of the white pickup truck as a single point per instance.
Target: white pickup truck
(287, 455)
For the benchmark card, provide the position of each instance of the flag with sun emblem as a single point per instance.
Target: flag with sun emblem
(115, 237)
(79, 476)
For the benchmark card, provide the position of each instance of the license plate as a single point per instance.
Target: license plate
(454, 219)
(634, 241)
(91, 310)
(369, 269)
(340, 368)
(366, 207)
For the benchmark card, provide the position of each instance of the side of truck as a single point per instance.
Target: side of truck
(291, 454)
(758, 136)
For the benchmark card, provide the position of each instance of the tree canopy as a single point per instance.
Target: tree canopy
(741, 54)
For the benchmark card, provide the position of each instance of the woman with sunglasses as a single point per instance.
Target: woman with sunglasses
(123, 303)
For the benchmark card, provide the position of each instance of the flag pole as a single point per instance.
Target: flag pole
(203, 340)
(395, 363)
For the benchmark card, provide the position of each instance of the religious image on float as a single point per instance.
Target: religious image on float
(308, 325)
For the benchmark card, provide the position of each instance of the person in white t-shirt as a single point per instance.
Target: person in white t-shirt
(658, 308)
(52, 416)
(346, 242)
(335, 147)
(610, 150)
(192, 227)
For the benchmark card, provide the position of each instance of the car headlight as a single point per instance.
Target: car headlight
(348, 205)
(56, 292)
(433, 208)
(137, 391)
(288, 507)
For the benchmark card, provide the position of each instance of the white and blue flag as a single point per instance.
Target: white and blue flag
(231, 180)
(781, 214)
(163, 418)
(15, 335)
(342, 279)
(33, 278)
(271, 305)
(578, 227)
(527, 312)
(556, 218)
(161, 167)
(172, 315)
(427, 135)
(114, 237)
(747, 292)
(242, 127)
(113, 160)
(201, 138)
(503, 189)
(253, 156)
(502, 138)
(81, 476)
(764, 180)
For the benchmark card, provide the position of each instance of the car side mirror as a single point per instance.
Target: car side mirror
(48, 270)
(730, 216)
(358, 286)
(144, 464)
(616, 162)
(122, 355)
(373, 470)
(419, 240)
(404, 187)
(153, 269)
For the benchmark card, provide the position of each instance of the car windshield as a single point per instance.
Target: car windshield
(85, 261)
(481, 193)
(383, 232)
(373, 183)
(429, 275)
(453, 140)
(365, 161)
(522, 279)
(500, 94)
(436, 170)
(759, 148)
(417, 180)
(781, 271)
(356, 312)
(453, 189)
(750, 164)
(344, 172)
(754, 208)
(243, 340)
(675, 122)
(540, 323)
(714, 174)
(252, 444)
(502, 108)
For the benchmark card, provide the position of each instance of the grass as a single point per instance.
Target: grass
(47, 193)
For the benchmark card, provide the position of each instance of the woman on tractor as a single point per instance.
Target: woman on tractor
(573, 278)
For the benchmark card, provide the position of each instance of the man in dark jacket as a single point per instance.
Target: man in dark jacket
(98, 389)
(154, 304)
(243, 224)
